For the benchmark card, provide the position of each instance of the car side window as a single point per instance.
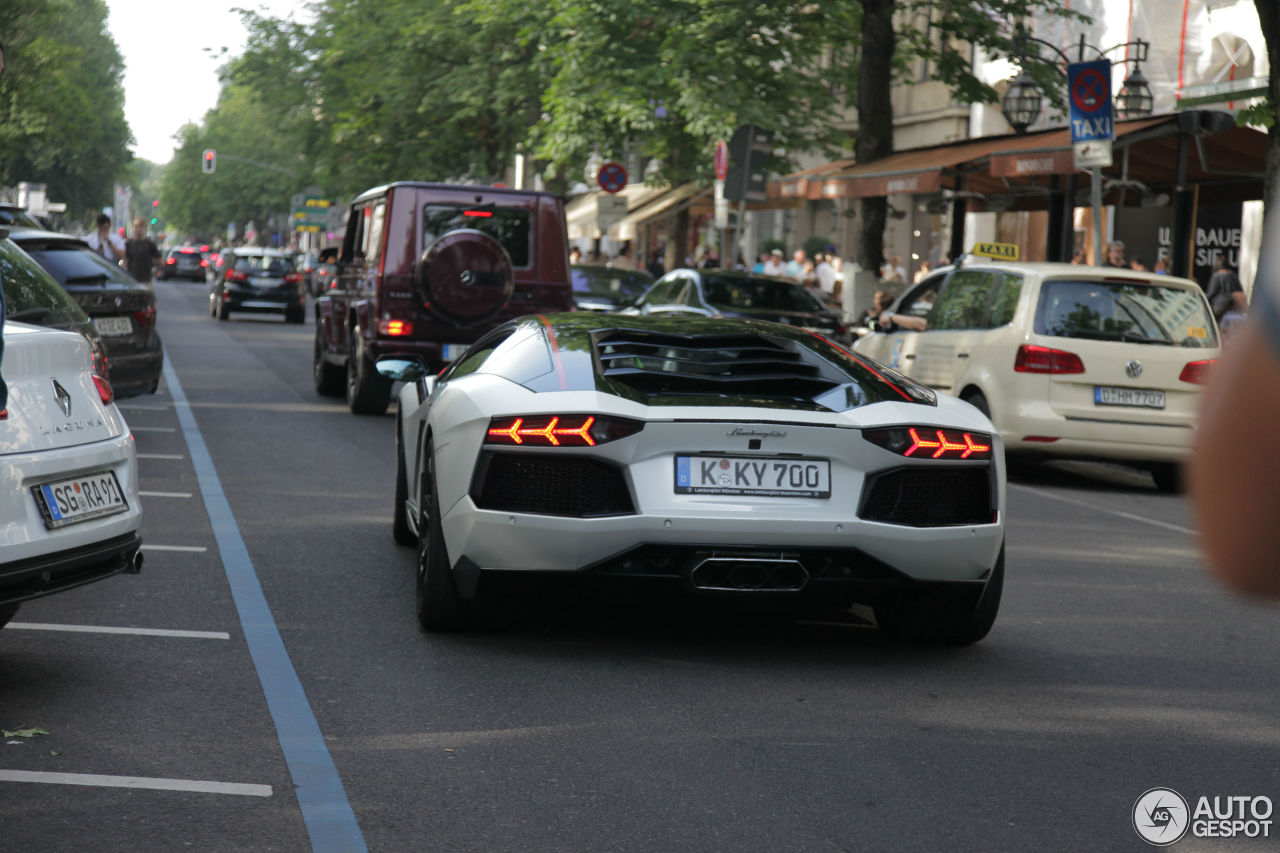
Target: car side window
(692, 296)
(679, 292)
(353, 240)
(1006, 300)
(963, 303)
(373, 234)
(658, 293)
(918, 301)
(477, 353)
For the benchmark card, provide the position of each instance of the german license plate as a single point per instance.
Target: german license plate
(731, 475)
(79, 499)
(450, 352)
(1141, 398)
(113, 325)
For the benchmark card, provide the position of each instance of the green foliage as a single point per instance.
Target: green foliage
(772, 243)
(61, 102)
(1261, 114)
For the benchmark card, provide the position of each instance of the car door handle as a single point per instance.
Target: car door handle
(909, 356)
(962, 355)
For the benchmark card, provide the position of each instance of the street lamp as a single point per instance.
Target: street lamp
(1021, 102)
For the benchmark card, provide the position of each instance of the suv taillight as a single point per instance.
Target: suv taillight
(1034, 359)
(233, 275)
(1196, 372)
(293, 277)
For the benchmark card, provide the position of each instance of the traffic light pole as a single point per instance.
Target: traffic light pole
(233, 158)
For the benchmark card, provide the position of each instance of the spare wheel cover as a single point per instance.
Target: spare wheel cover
(466, 276)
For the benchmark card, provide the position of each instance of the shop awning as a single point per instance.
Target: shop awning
(997, 164)
(580, 212)
(625, 228)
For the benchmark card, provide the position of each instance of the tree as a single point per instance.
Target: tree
(1265, 113)
(61, 102)
(944, 33)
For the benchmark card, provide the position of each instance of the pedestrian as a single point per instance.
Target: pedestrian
(1162, 266)
(141, 253)
(1137, 265)
(775, 266)
(758, 266)
(825, 275)
(1234, 484)
(1115, 255)
(921, 273)
(575, 255)
(893, 271)
(880, 303)
(1224, 290)
(106, 242)
(795, 266)
(656, 266)
(1078, 256)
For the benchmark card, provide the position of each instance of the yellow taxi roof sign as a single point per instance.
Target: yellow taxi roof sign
(997, 251)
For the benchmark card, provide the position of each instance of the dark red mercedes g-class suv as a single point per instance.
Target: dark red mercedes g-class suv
(426, 269)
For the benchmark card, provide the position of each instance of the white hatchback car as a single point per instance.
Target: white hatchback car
(1067, 360)
(69, 508)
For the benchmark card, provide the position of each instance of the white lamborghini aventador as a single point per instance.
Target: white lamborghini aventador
(722, 459)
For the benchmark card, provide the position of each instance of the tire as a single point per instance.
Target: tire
(440, 608)
(944, 614)
(1167, 476)
(223, 312)
(328, 377)
(400, 516)
(368, 392)
(979, 402)
(7, 612)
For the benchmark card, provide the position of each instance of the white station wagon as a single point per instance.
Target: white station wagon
(69, 508)
(1067, 360)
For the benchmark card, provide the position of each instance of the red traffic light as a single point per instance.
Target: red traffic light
(210, 161)
(155, 203)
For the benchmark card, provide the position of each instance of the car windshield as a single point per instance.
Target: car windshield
(510, 226)
(263, 265)
(73, 263)
(757, 294)
(613, 284)
(31, 295)
(1127, 311)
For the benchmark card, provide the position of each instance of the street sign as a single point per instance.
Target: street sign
(612, 177)
(609, 210)
(996, 251)
(1089, 85)
(722, 206)
(722, 159)
(749, 150)
(1092, 155)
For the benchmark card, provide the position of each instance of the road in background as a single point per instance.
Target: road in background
(1117, 665)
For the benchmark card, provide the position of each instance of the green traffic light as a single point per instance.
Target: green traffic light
(153, 220)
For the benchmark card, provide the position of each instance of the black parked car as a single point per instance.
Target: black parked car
(258, 280)
(32, 296)
(122, 310)
(187, 262)
(725, 293)
(597, 287)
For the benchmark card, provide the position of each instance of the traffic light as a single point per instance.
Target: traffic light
(210, 161)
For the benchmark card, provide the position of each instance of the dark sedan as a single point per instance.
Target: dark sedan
(744, 295)
(187, 262)
(258, 280)
(605, 288)
(122, 310)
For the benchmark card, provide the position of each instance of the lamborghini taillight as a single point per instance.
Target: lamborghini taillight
(921, 442)
(559, 430)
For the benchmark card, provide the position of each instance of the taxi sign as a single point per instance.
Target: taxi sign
(997, 251)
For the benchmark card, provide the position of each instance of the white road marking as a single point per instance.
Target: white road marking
(160, 456)
(236, 788)
(189, 549)
(138, 408)
(106, 629)
(165, 494)
(153, 429)
(1130, 516)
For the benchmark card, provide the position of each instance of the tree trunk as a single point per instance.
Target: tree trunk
(875, 120)
(1269, 18)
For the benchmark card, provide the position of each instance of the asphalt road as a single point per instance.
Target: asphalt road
(1116, 666)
